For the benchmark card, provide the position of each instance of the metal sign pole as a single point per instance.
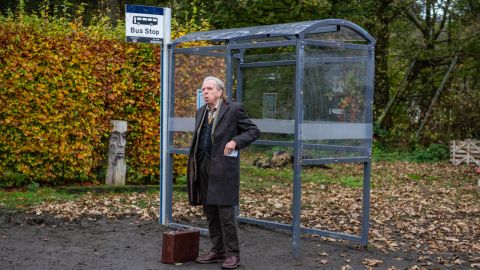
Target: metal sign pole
(164, 185)
(149, 24)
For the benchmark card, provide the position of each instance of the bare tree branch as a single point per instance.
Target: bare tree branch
(413, 18)
(437, 96)
(444, 19)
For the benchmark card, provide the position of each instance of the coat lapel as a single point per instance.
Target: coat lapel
(200, 117)
(223, 108)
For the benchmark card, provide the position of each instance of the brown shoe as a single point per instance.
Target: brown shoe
(231, 262)
(211, 257)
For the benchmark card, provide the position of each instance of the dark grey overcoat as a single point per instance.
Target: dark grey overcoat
(231, 123)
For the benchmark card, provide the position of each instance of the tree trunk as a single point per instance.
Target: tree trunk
(384, 119)
(382, 81)
(436, 96)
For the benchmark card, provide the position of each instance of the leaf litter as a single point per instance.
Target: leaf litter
(425, 208)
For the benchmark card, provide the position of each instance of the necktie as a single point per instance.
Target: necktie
(211, 115)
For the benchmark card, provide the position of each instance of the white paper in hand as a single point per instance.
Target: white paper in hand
(234, 153)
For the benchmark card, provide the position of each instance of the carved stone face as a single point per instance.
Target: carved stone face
(117, 145)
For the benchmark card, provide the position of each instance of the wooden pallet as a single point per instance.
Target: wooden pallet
(467, 151)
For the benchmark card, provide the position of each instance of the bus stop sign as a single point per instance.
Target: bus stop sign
(143, 24)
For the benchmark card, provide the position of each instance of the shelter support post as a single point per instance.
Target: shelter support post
(298, 149)
(366, 202)
(229, 80)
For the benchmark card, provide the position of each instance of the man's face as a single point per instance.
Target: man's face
(210, 93)
(117, 144)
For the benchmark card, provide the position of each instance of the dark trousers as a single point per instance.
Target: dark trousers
(222, 223)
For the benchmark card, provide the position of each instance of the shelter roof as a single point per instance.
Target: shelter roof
(286, 30)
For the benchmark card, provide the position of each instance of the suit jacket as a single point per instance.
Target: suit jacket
(231, 123)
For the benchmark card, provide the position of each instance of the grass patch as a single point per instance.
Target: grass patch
(351, 181)
(317, 176)
(180, 195)
(25, 199)
(142, 204)
(414, 176)
(109, 189)
(257, 178)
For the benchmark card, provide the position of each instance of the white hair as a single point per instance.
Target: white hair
(218, 83)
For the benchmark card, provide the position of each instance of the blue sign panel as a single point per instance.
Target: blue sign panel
(143, 9)
(200, 100)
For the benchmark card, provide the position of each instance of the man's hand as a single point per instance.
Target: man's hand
(229, 147)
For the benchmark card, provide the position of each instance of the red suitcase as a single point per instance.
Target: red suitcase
(180, 246)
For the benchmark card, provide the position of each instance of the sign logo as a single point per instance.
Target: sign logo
(145, 20)
(143, 24)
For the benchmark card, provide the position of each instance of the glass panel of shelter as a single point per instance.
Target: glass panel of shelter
(190, 70)
(333, 97)
(332, 77)
(334, 119)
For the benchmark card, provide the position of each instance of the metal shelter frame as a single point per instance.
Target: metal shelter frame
(230, 44)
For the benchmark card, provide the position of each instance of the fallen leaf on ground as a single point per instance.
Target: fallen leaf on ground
(323, 261)
(372, 262)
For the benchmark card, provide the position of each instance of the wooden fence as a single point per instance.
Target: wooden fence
(467, 151)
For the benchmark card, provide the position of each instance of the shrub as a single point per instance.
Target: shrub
(179, 166)
(61, 83)
(12, 179)
(432, 153)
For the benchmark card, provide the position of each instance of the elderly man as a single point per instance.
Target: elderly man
(221, 129)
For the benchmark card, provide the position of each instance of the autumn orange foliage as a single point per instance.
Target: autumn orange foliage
(59, 90)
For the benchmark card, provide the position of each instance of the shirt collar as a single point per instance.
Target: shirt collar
(216, 105)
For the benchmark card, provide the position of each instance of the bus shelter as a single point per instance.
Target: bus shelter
(307, 85)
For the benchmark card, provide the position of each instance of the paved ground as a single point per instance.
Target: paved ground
(43, 242)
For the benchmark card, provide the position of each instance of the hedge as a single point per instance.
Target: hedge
(61, 83)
